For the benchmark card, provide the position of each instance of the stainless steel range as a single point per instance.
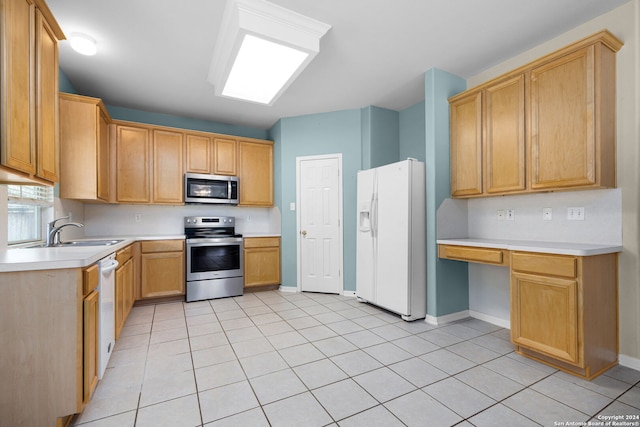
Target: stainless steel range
(214, 258)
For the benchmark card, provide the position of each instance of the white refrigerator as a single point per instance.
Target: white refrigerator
(391, 245)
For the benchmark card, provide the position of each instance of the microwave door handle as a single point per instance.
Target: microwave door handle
(228, 189)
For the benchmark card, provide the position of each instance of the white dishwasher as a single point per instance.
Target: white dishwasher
(106, 298)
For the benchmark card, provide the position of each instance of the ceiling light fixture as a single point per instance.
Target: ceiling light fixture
(261, 50)
(83, 44)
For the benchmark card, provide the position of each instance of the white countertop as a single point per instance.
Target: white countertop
(558, 248)
(28, 259)
(264, 234)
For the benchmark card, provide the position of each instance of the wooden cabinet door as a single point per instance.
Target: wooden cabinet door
(168, 172)
(18, 134)
(119, 303)
(563, 114)
(84, 148)
(47, 142)
(162, 274)
(544, 316)
(466, 146)
(261, 261)
(198, 154)
(90, 344)
(504, 137)
(224, 156)
(104, 157)
(132, 164)
(255, 173)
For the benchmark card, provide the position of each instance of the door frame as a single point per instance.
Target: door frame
(300, 159)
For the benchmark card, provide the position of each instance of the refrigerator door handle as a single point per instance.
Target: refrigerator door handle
(374, 215)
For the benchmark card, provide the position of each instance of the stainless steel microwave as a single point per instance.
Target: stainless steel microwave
(201, 188)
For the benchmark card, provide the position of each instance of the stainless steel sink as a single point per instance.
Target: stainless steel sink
(90, 243)
(81, 243)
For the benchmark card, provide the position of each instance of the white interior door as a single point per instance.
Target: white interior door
(319, 223)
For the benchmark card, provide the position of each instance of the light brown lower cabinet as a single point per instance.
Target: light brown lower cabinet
(90, 332)
(162, 268)
(124, 287)
(564, 309)
(261, 261)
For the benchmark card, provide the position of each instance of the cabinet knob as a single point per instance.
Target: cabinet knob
(303, 232)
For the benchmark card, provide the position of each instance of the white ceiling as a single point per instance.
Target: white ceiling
(154, 55)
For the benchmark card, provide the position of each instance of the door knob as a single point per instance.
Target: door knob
(303, 232)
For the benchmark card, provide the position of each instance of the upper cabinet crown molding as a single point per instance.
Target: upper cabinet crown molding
(548, 125)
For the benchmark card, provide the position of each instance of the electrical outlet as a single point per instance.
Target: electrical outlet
(511, 215)
(248, 218)
(137, 217)
(546, 214)
(575, 213)
(501, 214)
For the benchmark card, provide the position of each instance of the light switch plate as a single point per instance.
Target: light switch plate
(501, 214)
(511, 215)
(575, 213)
(547, 214)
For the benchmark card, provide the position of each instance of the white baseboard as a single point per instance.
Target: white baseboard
(490, 319)
(447, 318)
(629, 362)
(349, 293)
(288, 289)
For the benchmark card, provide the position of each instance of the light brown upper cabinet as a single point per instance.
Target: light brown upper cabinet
(255, 172)
(466, 145)
(224, 156)
(573, 120)
(29, 151)
(168, 172)
(503, 125)
(84, 148)
(549, 125)
(149, 165)
(198, 153)
(132, 164)
(150, 162)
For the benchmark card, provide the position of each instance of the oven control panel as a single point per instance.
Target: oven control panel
(209, 221)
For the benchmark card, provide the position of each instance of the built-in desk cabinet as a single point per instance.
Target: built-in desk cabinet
(29, 144)
(548, 125)
(563, 308)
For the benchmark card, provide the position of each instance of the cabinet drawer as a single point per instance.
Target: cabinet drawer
(123, 255)
(261, 242)
(90, 279)
(162, 246)
(465, 253)
(550, 265)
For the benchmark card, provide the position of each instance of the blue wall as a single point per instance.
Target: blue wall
(412, 133)
(129, 114)
(327, 133)
(380, 137)
(447, 281)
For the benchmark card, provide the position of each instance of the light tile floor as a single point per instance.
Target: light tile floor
(291, 359)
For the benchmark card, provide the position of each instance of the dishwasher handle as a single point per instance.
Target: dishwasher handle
(109, 267)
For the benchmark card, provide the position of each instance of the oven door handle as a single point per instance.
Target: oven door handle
(214, 241)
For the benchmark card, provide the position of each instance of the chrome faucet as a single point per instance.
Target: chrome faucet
(53, 232)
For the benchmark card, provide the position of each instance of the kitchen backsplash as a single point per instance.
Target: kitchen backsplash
(602, 217)
(113, 220)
